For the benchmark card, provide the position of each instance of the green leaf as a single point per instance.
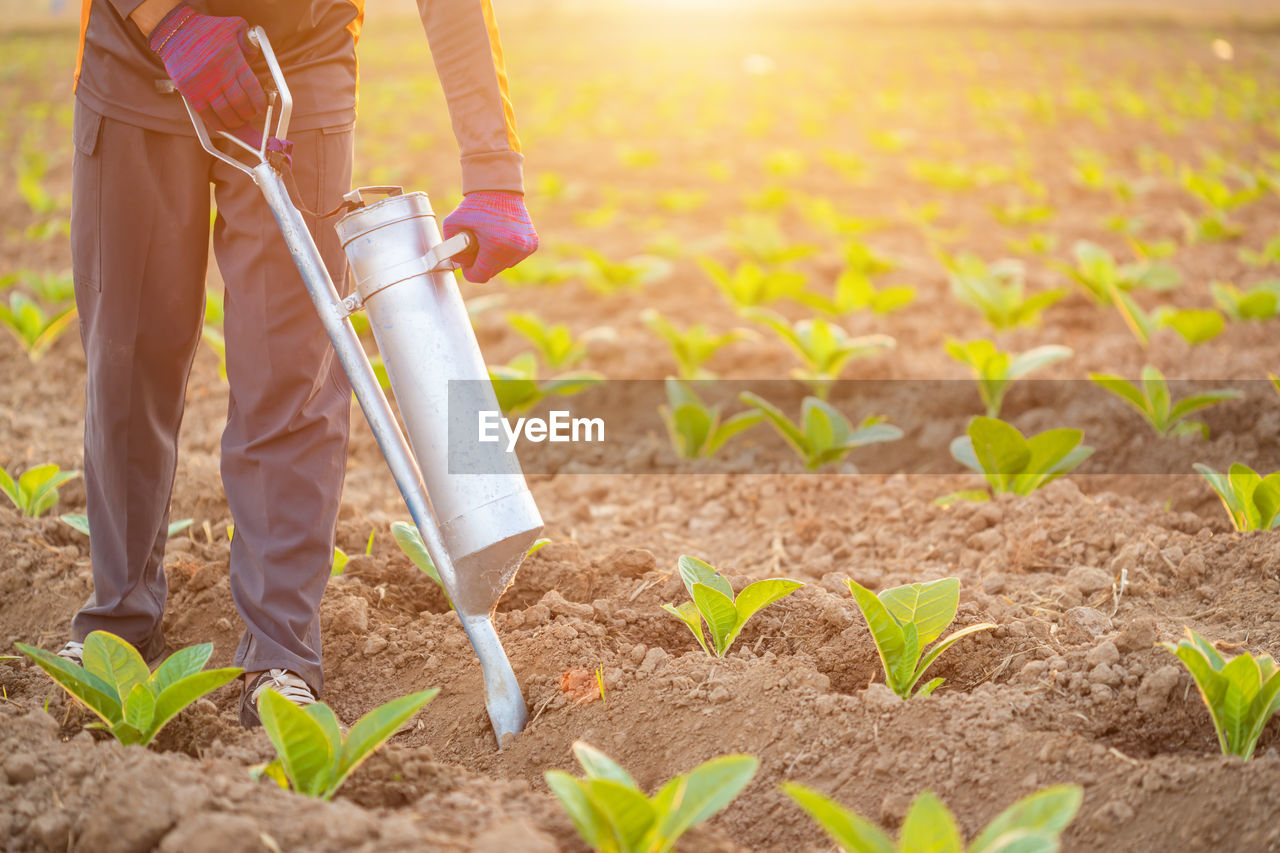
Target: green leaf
(708, 789)
(887, 634)
(323, 714)
(184, 691)
(97, 695)
(77, 522)
(300, 742)
(931, 606)
(140, 707)
(10, 488)
(850, 831)
(740, 422)
(789, 431)
(929, 686)
(115, 661)
(695, 571)
(374, 728)
(756, 596)
(1049, 810)
(411, 544)
(1243, 682)
(934, 653)
(929, 827)
(718, 611)
(596, 765)
(688, 613)
(588, 820)
(1000, 449)
(1196, 402)
(179, 665)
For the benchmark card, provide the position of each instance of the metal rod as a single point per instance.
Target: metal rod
(503, 699)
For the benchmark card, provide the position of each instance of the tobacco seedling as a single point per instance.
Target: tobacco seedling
(80, 523)
(1269, 255)
(132, 702)
(1152, 400)
(761, 240)
(824, 435)
(998, 291)
(606, 276)
(824, 347)
(695, 428)
(518, 387)
(1242, 694)
(1011, 462)
(714, 603)
(554, 342)
(749, 285)
(613, 815)
(1259, 302)
(35, 492)
(695, 345)
(905, 619)
(313, 755)
(1031, 825)
(995, 370)
(854, 291)
(1252, 500)
(1100, 274)
(32, 326)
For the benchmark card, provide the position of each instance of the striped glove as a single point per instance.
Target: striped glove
(205, 58)
(503, 231)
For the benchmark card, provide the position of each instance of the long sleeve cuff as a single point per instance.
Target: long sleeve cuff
(493, 170)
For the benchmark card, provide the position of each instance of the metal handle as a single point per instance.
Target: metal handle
(443, 255)
(258, 37)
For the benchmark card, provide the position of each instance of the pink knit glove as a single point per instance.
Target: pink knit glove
(503, 230)
(205, 56)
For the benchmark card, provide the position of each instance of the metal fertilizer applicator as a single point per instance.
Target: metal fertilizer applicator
(476, 527)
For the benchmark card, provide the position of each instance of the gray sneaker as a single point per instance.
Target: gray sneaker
(284, 682)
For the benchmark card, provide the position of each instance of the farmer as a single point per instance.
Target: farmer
(139, 245)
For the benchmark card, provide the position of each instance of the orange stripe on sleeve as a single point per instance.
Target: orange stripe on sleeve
(495, 45)
(84, 29)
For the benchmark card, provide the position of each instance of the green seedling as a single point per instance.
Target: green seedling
(613, 815)
(759, 239)
(1242, 694)
(1152, 400)
(132, 703)
(1260, 302)
(554, 342)
(339, 565)
(1022, 213)
(824, 435)
(998, 291)
(1031, 825)
(749, 285)
(713, 602)
(211, 331)
(693, 346)
(695, 428)
(823, 214)
(1193, 325)
(1268, 256)
(80, 523)
(854, 291)
(905, 619)
(1010, 462)
(1252, 500)
(1036, 243)
(313, 755)
(606, 276)
(50, 288)
(1099, 274)
(412, 546)
(825, 347)
(995, 370)
(518, 387)
(32, 326)
(35, 492)
(538, 271)
(682, 201)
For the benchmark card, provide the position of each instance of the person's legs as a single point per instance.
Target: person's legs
(285, 446)
(139, 245)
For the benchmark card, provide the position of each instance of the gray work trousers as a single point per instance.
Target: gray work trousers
(139, 243)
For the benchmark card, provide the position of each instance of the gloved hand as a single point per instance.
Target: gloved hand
(503, 231)
(205, 58)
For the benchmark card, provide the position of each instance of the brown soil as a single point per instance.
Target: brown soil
(1083, 578)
